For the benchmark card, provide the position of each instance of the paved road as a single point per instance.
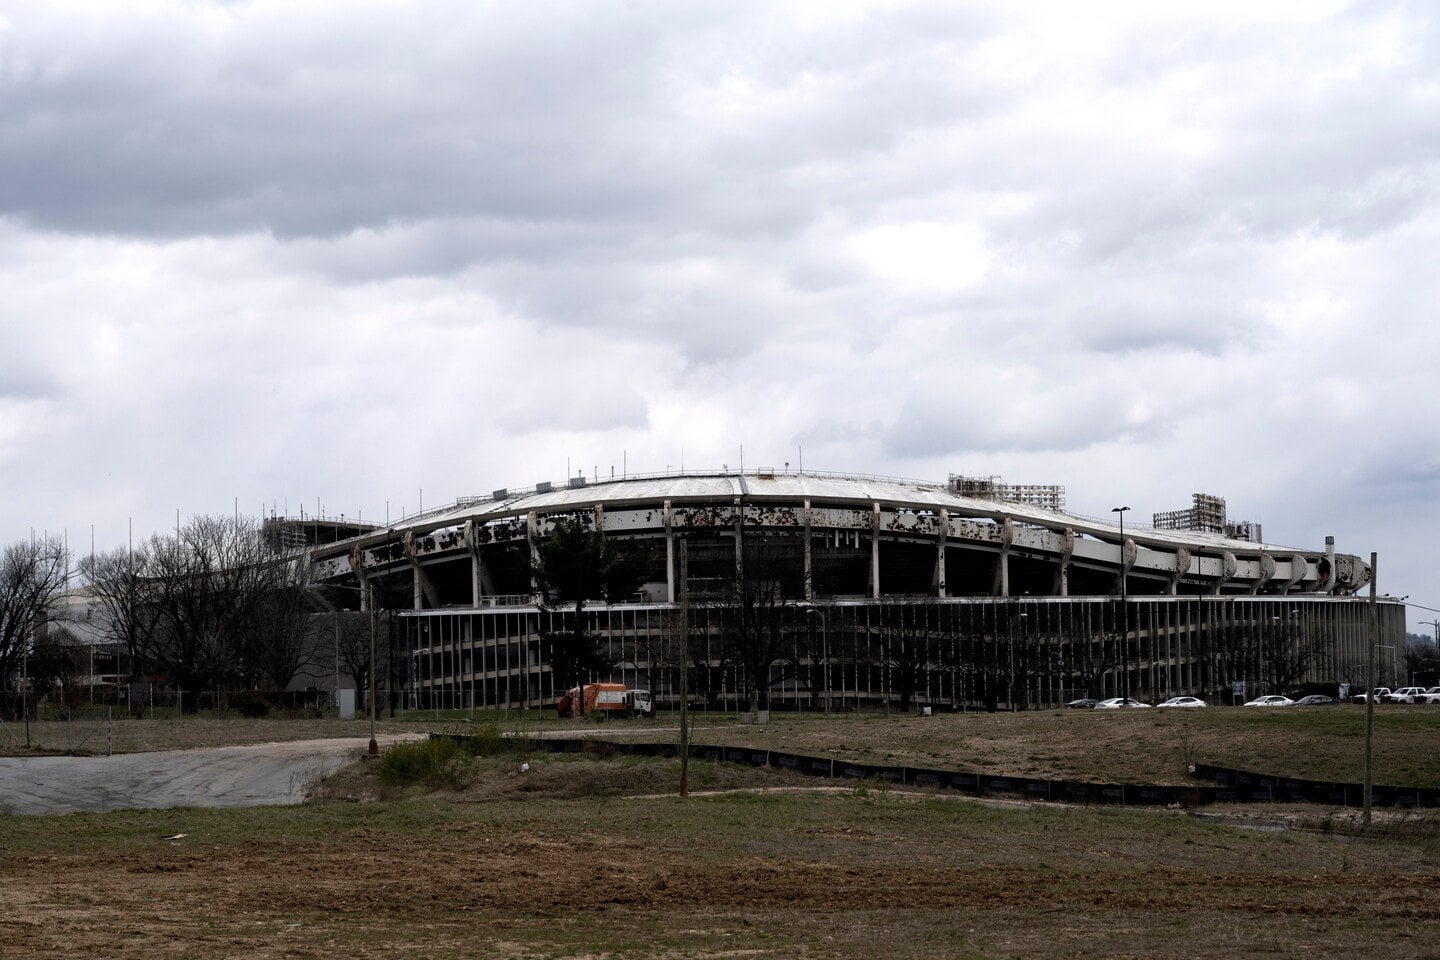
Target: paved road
(255, 775)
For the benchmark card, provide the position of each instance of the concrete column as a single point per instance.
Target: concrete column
(423, 588)
(479, 576)
(1182, 567)
(1228, 566)
(1298, 568)
(1002, 565)
(532, 536)
(940, 552)
(739, 540)
(809, 568)
(669, 553)
(875, 551)
(1062, 575)
(357, 565)
(1267, 572)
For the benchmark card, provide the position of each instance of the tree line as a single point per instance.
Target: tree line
(210, 606)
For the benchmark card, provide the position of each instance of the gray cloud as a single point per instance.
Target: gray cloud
(246, 245)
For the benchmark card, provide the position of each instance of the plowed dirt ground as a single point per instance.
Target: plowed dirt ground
(578, 858)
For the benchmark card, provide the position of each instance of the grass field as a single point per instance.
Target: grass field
(580, 857)
(1135, 746)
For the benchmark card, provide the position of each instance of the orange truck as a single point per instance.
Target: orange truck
(606, 700)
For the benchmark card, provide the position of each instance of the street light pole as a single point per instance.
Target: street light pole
(370, 621)
(1124, 602)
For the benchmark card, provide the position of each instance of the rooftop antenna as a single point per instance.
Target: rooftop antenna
(742, 459)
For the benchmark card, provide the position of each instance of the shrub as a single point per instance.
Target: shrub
(434, 763)
(250, 705)
(487, 740)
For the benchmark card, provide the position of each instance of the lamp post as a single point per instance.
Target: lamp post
(1124, 602)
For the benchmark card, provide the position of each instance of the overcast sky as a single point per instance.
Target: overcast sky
(273, 252)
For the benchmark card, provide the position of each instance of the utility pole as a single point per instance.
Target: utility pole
(1124, 603)
(1370, 694)
(370, 620)
(684, 668)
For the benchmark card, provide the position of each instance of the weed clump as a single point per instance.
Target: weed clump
(435, 764)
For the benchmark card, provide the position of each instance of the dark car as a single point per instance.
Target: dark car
(1315, 700)
(1086, 703)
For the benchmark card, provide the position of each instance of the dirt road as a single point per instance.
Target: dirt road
(259, 774)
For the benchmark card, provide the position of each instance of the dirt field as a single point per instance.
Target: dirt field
(578, 859)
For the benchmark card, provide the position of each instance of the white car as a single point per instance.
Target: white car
(1429, 696)
(1274, 700)
(1182, 702)
(1405, 695)
(1118, 703)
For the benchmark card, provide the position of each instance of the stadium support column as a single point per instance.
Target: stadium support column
(809, 559)
(357, 564)
(1002, 564)
(739, 540)
(1228, 568)
(424, 589)
(532, 529)
(1182, 567)
(1062, 574)
(479, 575)
(940, 552)
(669, 553)
(875, 551)
(1267, 573)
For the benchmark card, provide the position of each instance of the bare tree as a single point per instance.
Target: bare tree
(761, 630)
(1421, 657)
(353, 649)
(208, 606)
(126, 593)
(903, 641)
(32, 574)
(54, 668)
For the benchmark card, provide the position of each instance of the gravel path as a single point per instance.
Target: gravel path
(254, 775)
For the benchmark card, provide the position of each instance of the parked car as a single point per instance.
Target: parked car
(1430, 696)
(1119, 703)
(1404, 695)
(1315, 700)
(1380, 694)
(1182, 702)
(1274, 700)
(1084, 703)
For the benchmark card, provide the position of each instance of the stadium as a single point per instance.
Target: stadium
(879, 593)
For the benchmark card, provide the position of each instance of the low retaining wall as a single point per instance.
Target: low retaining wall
(1245, 786)
(1230, 786)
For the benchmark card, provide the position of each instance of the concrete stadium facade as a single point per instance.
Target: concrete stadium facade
(898, 592)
